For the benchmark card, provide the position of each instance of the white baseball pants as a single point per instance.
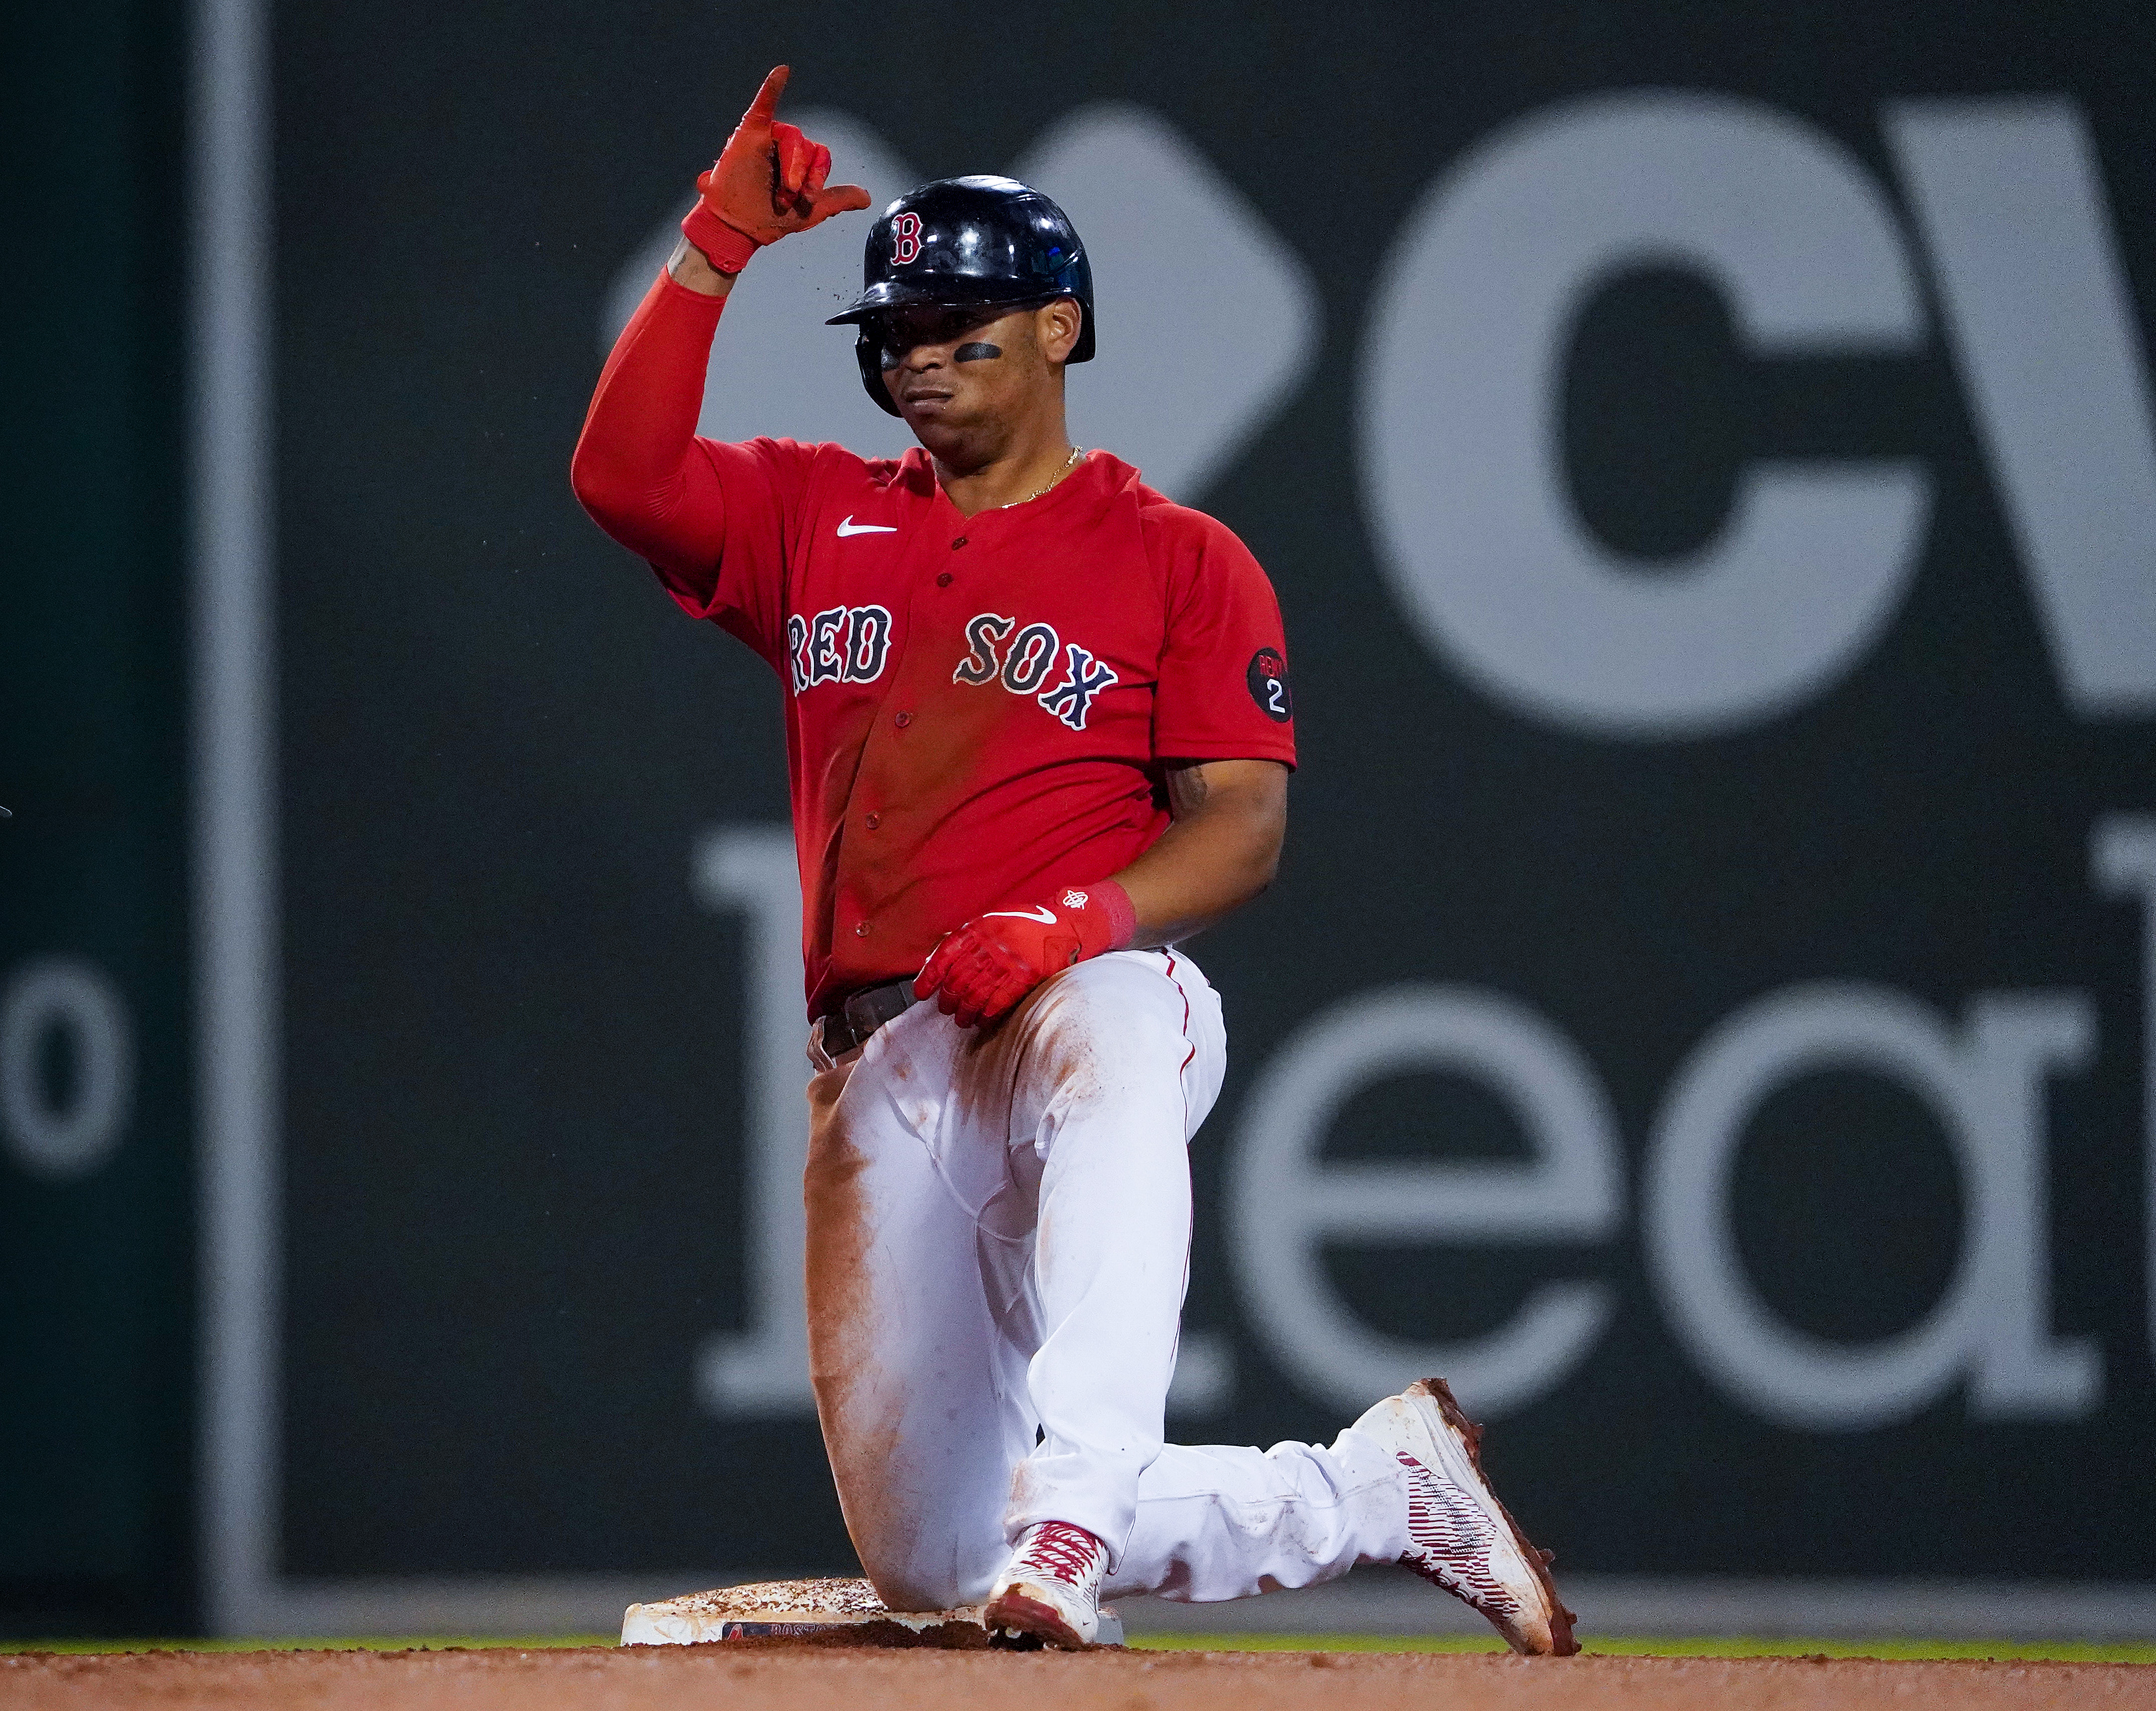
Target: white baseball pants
(998, 1243)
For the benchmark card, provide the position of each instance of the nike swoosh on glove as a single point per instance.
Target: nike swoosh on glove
(766, 183)
(979, 972)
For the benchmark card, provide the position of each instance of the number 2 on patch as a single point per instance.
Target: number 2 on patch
(1267, 678)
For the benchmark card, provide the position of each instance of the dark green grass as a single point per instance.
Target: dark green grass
(1617, 1645)
(423, 1642)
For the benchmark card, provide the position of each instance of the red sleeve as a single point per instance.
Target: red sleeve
(713, 521)
(1224, 691)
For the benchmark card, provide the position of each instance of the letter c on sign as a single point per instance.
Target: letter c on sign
(1460, 415)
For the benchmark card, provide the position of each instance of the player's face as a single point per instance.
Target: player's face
(958, 373)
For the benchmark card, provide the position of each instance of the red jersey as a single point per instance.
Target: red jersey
(978, 708)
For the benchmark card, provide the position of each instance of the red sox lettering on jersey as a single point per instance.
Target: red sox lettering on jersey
(850, 644)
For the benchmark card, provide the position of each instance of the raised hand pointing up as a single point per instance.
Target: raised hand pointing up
(767, 182)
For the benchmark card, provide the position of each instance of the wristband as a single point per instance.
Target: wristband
(725, 248)
(1123, 914)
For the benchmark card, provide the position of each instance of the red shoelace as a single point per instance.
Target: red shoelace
(1063, 1550)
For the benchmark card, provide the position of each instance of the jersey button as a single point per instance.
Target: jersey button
(958, 543)
(873, 821)
(944, 580)
(862, 929)
(903, 721)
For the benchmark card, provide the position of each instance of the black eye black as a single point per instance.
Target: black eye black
(894, 342)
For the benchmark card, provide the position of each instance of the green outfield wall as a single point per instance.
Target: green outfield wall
(96, 1207)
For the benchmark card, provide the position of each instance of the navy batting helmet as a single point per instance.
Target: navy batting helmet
(960, 243)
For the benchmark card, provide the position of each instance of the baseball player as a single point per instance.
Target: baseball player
(1038, 731)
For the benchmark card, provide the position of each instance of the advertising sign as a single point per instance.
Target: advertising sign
(1707, 468)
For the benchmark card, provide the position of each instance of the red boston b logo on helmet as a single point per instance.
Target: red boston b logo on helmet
(905, 238)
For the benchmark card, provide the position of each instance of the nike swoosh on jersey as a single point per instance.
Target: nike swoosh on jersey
(850, 527)
(1046, 918)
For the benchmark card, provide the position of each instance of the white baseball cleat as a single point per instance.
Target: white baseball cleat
(1464, 1540)
(1050, 1589)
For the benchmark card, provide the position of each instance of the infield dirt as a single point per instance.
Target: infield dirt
(783, 1676)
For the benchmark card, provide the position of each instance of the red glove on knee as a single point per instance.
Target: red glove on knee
(988, 964)
(767, 182)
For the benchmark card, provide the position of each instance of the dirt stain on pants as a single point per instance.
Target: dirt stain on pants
(860, 1427)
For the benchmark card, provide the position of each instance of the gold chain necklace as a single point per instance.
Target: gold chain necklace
(1076, 453)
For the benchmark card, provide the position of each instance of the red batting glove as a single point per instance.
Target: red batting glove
(768, 182)
(988, 964)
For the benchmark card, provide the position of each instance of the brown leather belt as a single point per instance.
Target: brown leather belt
(833, 1037)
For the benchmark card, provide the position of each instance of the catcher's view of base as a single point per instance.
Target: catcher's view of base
(818, 1612)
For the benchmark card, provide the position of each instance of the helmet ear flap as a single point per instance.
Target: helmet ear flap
(868, 352)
